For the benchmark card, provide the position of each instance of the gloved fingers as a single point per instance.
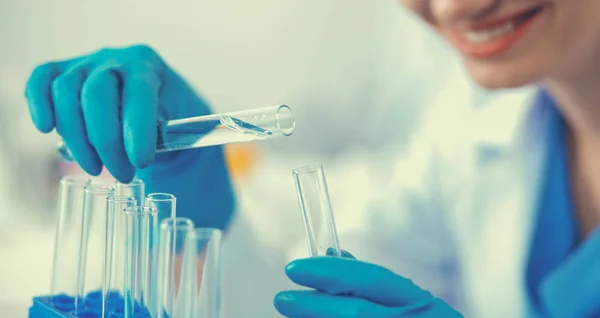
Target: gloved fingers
(141, 85)
(314, 304)
(101, 104)
(39, 96)
(337, 275)
(69, 119)
(332, 252)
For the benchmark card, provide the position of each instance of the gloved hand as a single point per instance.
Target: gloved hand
(345, 287)
(106, 106)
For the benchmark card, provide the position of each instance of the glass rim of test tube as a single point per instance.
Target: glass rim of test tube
(165, 203)
(75, 179)
(135, 188)
(308, 168)
(133, 182)
(206, 232)
(120, 198)
(160, 197)
(99, 187)
(279, 117)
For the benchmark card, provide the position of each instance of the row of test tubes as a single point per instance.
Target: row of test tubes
(115, 257)
(121, 253)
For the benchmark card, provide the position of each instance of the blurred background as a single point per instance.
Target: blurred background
(358, 75)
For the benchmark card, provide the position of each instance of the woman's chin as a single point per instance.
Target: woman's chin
(499, 76)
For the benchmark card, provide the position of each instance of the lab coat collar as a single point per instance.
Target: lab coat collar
(504, 118)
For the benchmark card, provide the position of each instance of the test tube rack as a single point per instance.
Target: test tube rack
(133, 250)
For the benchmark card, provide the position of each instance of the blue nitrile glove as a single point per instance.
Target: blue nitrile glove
(106, 106)
(345, 287)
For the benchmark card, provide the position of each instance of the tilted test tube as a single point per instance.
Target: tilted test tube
(217, 129)
(317, 212)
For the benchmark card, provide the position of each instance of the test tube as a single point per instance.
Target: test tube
(207, 273)
(218, 129)
(68, 241)
(165, 206)
(93, 240)
(317, 214)
(114, 268)
(135, 188)
(165, 203)
(175, 292)
(141, 227)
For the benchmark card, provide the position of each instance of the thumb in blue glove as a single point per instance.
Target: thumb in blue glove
(346, 287)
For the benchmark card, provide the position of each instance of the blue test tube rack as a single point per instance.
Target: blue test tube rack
(44, 307)
(65, 306)
(122, 238)
(62, 306)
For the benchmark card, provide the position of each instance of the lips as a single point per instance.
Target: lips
(493, 37)
(515, 18)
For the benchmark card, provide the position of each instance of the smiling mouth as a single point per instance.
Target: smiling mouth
(491, 31)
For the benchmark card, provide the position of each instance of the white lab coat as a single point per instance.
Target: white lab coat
(456, 216)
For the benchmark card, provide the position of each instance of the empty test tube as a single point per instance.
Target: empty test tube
(317, 213)
(141, 227)
(165, 203)
(93, 239)
(190, 270)
(64, 286)
(218, 129)
(207, 272)
(114, 268)
(135, 188)
(175, 298)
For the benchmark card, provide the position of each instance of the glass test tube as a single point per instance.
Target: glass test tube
(317, 214)
(218, 129)
(207, 272)
(114, 268)
(67, 245)
(175, 297)
(141, 227)
(93, 238)
(165, 203)
(135, 188)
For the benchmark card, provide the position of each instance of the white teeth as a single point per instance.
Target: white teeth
(489, 35)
